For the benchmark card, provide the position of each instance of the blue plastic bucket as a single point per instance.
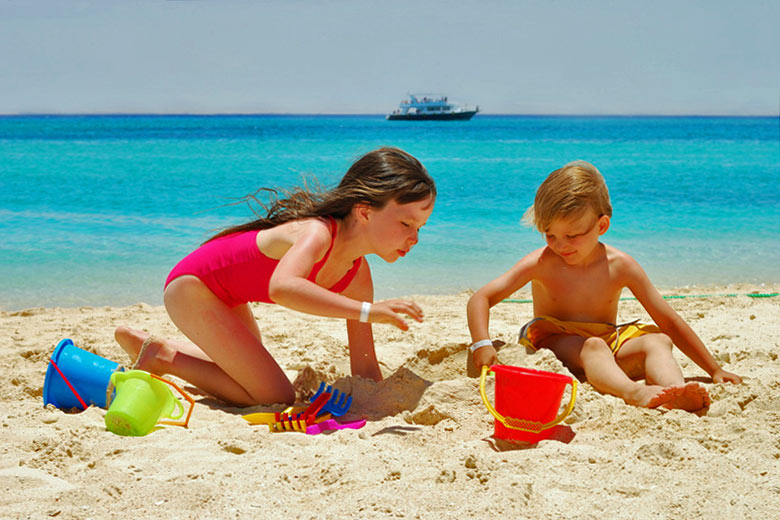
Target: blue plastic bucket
(88, 373)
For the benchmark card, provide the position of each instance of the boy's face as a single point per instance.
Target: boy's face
(574, 238)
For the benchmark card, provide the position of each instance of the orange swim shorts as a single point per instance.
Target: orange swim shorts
(536, 330)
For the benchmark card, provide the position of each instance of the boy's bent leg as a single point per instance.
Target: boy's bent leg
(651, 356)
(604, 373)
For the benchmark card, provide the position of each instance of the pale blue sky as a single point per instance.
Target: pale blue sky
(363, 56)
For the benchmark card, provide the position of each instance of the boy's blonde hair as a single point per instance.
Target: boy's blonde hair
(567, 192)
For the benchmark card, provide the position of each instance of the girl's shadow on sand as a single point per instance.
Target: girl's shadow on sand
(399, 392)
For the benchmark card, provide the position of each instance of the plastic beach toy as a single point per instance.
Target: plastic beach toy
(272, 417)
(527, 402)
(333, 424)
(299, 422)
(294, 418)
(76, 378)
(293, 424)
(141, 400)
(339, 402)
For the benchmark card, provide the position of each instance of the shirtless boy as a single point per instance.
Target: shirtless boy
(576, 283)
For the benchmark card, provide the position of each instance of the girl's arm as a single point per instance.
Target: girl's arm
(290, 287)
(362, 355)
(289, 284)
(673, 325)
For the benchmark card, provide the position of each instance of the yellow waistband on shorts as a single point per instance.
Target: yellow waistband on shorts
(538, 329)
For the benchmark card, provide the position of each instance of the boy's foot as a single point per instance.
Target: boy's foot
(133, 342)
(690, 397)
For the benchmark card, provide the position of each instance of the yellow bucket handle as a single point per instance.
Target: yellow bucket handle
(522, 424)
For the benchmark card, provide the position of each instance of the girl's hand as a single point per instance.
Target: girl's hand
(389, 311)
(721, 376)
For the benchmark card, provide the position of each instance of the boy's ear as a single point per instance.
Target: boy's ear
(603, 224)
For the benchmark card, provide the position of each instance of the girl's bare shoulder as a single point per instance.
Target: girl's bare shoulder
(275, 242)
(295, 229)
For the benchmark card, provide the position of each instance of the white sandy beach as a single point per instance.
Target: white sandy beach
(426, 451)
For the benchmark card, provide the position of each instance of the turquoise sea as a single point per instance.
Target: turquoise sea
(95, 210)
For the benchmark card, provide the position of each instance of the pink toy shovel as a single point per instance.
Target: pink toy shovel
(332, 424)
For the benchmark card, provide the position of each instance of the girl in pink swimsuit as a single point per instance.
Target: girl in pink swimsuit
(306, 254)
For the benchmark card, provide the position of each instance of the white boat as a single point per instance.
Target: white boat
(430, 107)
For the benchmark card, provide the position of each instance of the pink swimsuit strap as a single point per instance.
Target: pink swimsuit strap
(334, 229)
(349, 275)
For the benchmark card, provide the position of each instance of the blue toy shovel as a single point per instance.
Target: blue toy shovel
(337, 405)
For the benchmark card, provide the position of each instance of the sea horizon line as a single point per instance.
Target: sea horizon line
(319, 114)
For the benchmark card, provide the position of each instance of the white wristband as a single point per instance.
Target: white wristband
(479, 344)
(364, 310)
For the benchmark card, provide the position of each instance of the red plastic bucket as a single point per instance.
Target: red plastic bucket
(527, 402)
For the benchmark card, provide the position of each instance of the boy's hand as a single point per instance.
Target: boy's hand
(721, 376)
(481, 357)
(485, 356)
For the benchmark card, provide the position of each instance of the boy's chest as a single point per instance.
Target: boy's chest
(578, 295)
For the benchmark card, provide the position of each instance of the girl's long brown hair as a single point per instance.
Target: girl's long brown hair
(375, 179)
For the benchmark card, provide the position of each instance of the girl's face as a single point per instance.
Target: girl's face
(575, 238)
(394, 229)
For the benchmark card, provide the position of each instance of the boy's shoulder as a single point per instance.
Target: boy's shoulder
(535, 257)
(616, 255)
(622, 263)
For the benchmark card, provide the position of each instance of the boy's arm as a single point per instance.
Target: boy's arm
(673, 325)
(478, 308)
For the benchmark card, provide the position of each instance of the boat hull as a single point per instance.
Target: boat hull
(452, 116)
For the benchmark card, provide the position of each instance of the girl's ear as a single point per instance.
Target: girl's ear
(603, 224)
(361, 211)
